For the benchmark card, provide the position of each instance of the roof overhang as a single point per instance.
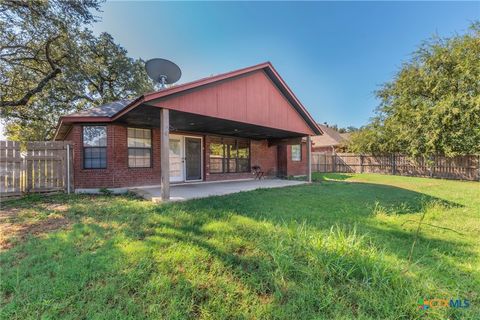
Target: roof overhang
(151, 98)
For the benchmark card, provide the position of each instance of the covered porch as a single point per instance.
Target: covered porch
(185, 152)
(187, 191)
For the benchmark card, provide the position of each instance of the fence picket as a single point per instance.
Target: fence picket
(461, 167)
(42, 168)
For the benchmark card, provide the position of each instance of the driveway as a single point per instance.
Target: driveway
(188, 191)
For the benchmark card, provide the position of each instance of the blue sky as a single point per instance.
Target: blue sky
(333, 55)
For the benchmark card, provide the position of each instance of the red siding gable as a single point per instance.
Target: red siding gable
(251, 98)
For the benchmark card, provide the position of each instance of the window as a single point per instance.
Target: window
(94, 147)
(229, 155)
(139, 148)
(297, 152)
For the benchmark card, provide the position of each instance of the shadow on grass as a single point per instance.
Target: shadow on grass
(190, 271)
(318, 176)
(243, 255)
(328, 199)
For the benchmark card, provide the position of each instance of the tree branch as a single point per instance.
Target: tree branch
(30, 93)
(47, 78)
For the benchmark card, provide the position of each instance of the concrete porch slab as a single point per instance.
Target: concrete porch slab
(202, 190)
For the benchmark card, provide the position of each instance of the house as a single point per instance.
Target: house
(330, 142)
(216, 128)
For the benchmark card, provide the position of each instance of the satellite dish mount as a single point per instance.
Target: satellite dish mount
(163, 71)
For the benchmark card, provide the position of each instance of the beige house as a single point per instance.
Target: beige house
(331, 141)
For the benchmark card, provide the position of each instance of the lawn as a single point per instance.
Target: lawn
(336, 249)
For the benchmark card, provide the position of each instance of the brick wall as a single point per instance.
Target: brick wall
(118, 174)
(297, 168)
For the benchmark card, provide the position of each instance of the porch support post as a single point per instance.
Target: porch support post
(164, 155)
(309, 159)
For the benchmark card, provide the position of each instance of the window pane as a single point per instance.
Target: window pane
(229, 155)
(243, 165)
(139, 143)
(216, 149)
(139, 138)
(232, 165)
(296, 152)
(216, 156)
(230, 148)
(95, 157)
(243, 149)
(139, 158)
(94, 136)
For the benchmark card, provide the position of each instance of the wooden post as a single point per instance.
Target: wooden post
(393, 163)
(164, 155)
(361, 163)
(68, 168)
(309, 159)
(478, 168)
(334, 162)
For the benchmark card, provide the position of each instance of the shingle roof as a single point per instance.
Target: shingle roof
(105, 110)
(330, 137)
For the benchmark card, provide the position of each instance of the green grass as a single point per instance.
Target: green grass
(338, 249)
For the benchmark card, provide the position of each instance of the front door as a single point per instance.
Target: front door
(185, 158)
(193, 158)
(176, 158)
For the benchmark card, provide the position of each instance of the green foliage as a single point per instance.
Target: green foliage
(329, 250)
(347, 129)
(50, 65)
(433, 104)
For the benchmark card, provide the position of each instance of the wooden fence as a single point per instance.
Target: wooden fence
(43, 166)
(461, 167)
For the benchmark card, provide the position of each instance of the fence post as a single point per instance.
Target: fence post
(361, 163)
(393, 163)
(432, 160)
(478, 168)
(334, 162)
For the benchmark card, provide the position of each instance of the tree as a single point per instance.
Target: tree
(50, 66)
(432, 106)
(341, 130)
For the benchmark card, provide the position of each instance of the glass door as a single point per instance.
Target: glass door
(176, 159)
(193, 158)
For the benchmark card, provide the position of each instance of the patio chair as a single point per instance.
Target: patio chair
(257, 171)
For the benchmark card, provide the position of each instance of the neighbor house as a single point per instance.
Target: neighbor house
(330, 141)
(212, 129)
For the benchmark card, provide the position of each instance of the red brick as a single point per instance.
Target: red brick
(118, 174)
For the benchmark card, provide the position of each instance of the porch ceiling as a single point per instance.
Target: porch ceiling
(149, 116)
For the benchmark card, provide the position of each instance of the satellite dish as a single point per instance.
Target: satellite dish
(163, 71)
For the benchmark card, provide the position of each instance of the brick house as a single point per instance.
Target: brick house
(212, 129)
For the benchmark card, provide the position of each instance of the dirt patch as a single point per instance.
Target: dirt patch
(265, 298)
(11, 230)
(57, 207)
